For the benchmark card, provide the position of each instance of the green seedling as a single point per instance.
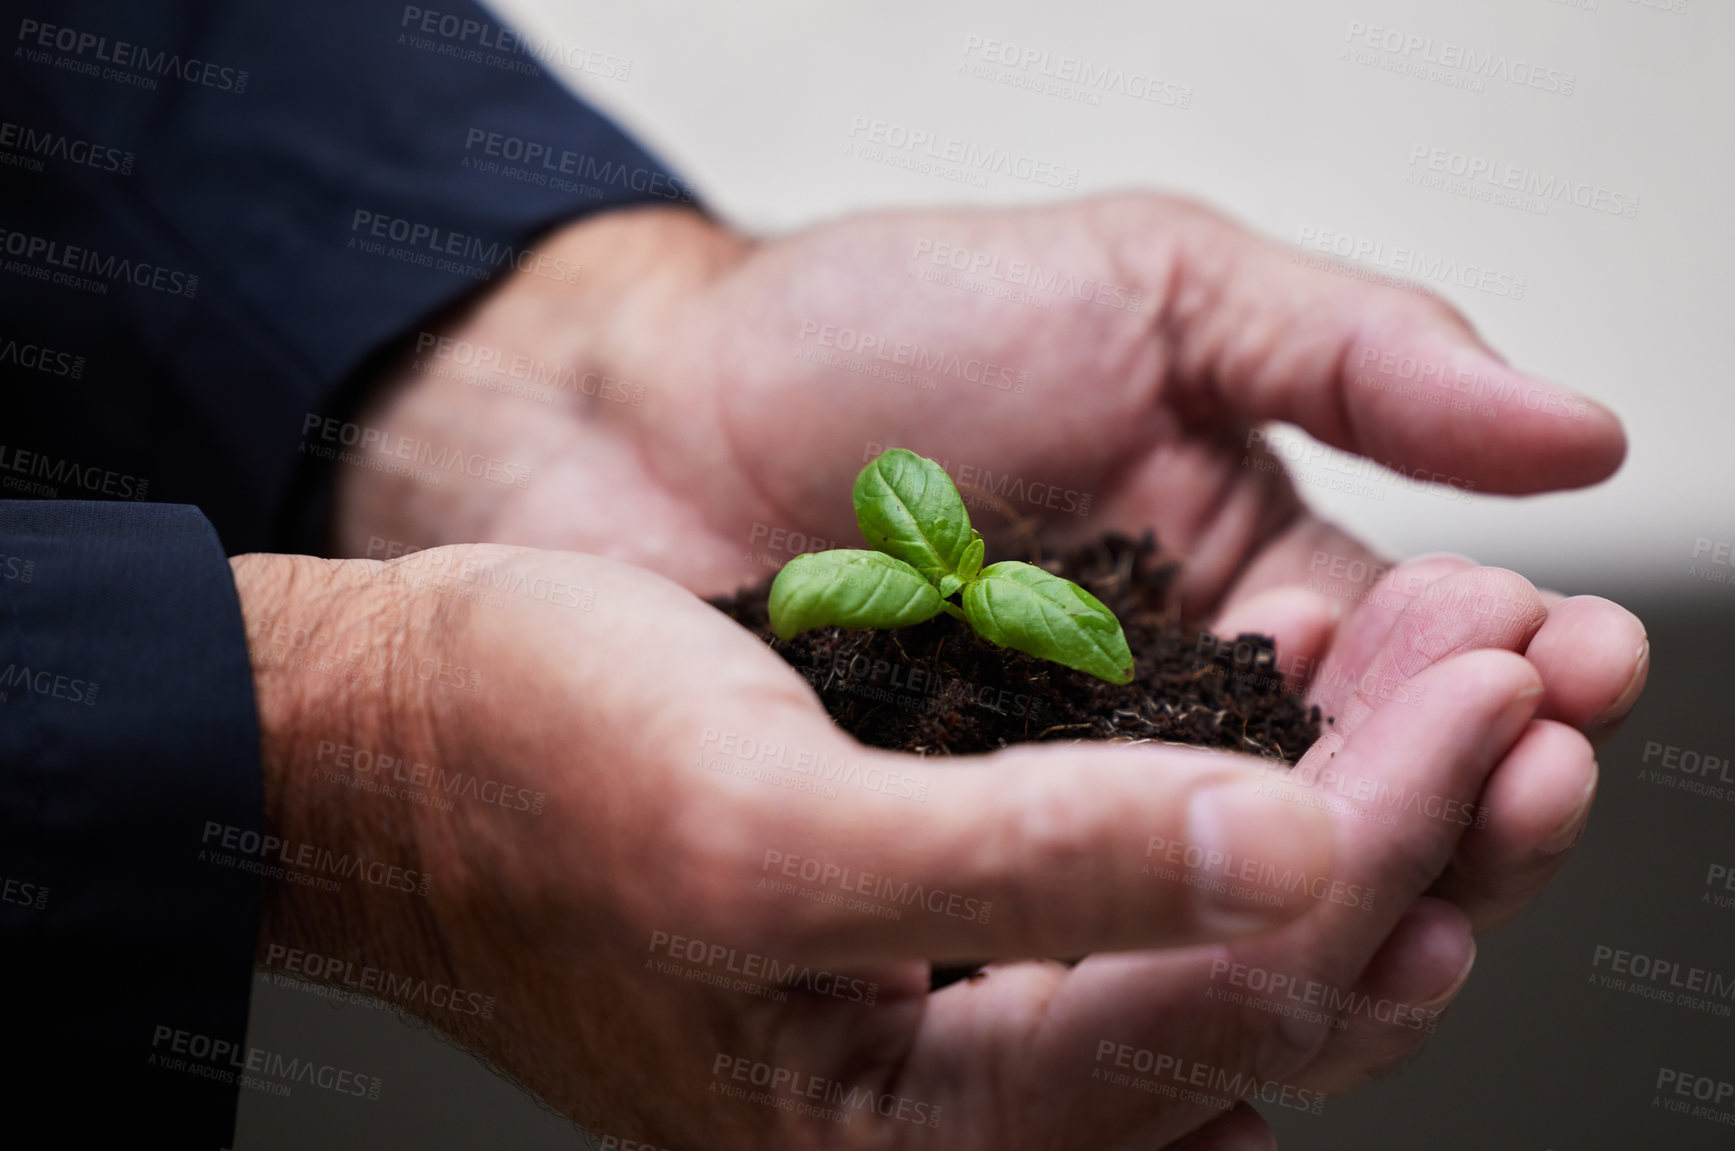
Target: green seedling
(924, 553)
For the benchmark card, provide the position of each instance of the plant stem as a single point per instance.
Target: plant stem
(953, 610)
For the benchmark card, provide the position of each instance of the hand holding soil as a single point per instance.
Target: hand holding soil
(666, 736)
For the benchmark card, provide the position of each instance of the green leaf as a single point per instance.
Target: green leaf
(1020, 606)
(971, 564)
(849, 588)
(908, 507)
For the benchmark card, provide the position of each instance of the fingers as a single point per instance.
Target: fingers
(1109, 1038)
(1326, 575)
(1404, 786)
(1594, 656)
(1395, 1006)
(1473, 608)
(1377, 606)
(1589, 654)
(1052, 850)
(1387, 373)
(1538, 801)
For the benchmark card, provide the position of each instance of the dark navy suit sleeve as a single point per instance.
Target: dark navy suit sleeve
(218, 218)
(127, 732)
(216, 211)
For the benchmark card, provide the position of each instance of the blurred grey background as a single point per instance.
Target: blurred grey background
(1280, 114)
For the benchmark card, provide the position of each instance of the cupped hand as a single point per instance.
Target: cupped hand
(711, 399)
(703, 916)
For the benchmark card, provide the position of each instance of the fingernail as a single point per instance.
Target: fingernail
(1574, 826)
(1499, 735)
(1450, 992)
(1630, 693)
(1247, 836)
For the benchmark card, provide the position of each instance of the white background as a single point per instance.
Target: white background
(753, 100)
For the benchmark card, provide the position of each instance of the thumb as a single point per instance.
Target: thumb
(1046, 851)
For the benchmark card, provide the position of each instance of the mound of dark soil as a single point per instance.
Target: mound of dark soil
(936, 688)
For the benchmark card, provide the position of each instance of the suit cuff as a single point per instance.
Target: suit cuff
(129, 731)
